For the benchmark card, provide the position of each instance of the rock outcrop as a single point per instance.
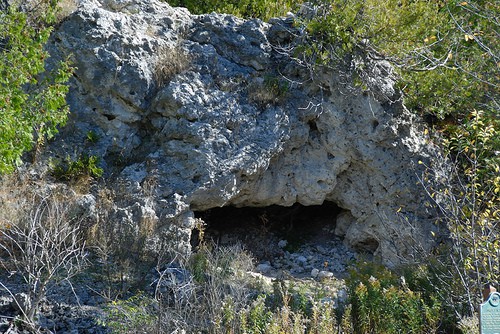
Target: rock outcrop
(193, 112)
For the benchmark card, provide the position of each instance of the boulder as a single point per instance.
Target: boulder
(195, 112)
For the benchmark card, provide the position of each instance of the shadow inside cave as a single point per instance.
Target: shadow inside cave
(279, 236)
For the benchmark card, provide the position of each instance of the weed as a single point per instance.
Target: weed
(92, 137)
(133, 315)
(72, 170)
(269, 90)
(382, 302)
(172, 60)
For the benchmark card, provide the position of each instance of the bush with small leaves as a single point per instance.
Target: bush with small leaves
(32, 100)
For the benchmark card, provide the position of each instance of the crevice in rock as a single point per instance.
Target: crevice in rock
(312, 125)
(368, 245)
(109, 116)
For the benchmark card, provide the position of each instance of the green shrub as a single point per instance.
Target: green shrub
(137, 314)
(72, 170)
(255, 318)
(382, 302)
(323, 319)
(92, 137)
(446, 52)
(198, 263)
(32, 100)
(263, 9)
(468, 198)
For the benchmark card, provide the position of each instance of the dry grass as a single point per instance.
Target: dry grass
(172, 60)
(66, 8)
(19, 194)
(13, 198)
(214, 292)
(37, 9)
(469, 325)
(219, 280)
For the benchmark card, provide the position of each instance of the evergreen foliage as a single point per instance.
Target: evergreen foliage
(32, 100)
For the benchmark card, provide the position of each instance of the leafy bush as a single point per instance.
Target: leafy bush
(469, 203)
(92, 137)
(32, 100)
(446, 52)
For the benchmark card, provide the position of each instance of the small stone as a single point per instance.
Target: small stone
(282, 243)
(325, 274)
(264, 268)
(321, 249)
(342, 296)
(314, 273)
(301, 260)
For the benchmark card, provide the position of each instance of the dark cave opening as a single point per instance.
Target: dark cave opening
(261, 229)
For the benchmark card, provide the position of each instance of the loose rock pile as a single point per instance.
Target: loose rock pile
(55, 315)
(316, 261)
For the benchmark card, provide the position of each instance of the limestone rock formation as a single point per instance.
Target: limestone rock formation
(193, 112)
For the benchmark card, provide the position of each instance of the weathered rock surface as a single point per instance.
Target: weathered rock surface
(194, 112)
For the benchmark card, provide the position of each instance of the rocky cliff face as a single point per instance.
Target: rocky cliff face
(192, 112)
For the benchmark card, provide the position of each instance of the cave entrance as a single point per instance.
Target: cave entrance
(269, 232)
